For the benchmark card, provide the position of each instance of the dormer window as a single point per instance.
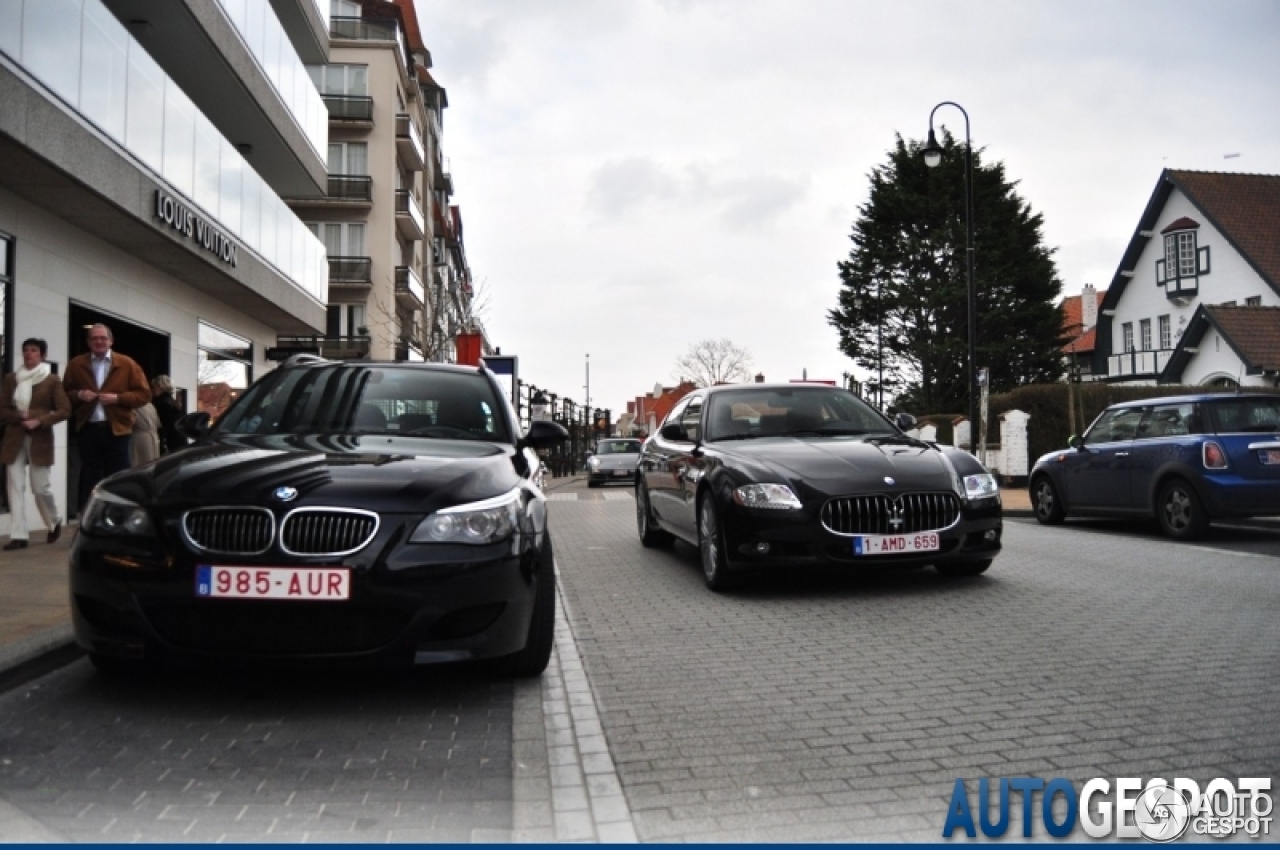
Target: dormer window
(1184, 260)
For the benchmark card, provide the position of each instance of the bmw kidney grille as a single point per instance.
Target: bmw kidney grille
(304, 531)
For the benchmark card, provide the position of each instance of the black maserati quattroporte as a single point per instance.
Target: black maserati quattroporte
(339, 512)
(781, 476)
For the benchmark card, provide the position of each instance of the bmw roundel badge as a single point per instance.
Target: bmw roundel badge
(285, 494)
(887, 480)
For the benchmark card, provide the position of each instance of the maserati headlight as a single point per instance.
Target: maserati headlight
(980, 486)
(108, 513)
(489, 521)
(775, 496)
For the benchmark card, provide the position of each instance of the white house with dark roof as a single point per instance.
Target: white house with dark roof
(1205, 239)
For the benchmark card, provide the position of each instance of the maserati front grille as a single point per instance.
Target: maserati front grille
(909, 513)
(327, 531)
(230, 531)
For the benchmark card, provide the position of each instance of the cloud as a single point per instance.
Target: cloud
(624, 184)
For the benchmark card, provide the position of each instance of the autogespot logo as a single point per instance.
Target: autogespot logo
(1156, 810)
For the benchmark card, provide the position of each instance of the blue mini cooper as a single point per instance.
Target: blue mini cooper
(1186, 460)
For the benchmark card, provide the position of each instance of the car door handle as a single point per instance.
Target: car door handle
(1122, 454)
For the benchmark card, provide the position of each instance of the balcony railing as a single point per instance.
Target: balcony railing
(350, 187)
(358, 29)
(442, 179)
(331, 347)
(350, 271)
(409, 144)
(349, 107)
(409, 289)
(409, 216)
(1138, 364)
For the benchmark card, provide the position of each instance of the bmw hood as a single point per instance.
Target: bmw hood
(378, 473)
(839, 464)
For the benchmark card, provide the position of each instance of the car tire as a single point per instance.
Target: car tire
(592, 484)
(535, 656)
(651, 537)
(715, 567)
(1046, 503)
(1180, 512)
(963, 569)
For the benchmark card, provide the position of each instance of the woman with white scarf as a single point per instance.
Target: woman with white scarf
(32, 401)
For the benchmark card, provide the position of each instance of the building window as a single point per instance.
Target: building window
(1166, 332)
(348, 80)
(1184, 261)
(224, 368)
(346, 320)
(1186, 254)
(1144, 329)
(1127, 328)
(340, 238)
(1253, 301)
(349, 158)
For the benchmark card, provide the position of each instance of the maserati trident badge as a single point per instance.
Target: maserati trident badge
(285, 494)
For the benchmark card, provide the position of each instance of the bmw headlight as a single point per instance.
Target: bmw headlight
(980, 486)
(775, 496)
(108, 513)
(490, 521)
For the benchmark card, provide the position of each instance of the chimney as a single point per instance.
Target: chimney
(760, 378)
(1088, 306)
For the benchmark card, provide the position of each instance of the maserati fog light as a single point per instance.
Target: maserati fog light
(992, 535)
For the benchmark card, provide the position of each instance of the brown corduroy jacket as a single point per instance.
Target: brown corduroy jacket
(126, 379)
(49, 404)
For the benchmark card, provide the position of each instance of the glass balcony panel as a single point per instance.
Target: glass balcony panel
(208, 167)
(48, 27)
(231, 180)
(179, 139)
(104, 78)
(144, 135)
(11, 28)
(251, 210)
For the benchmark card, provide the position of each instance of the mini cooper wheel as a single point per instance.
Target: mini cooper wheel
(715, 569)
(651, 537)
(1045, 502)
(535, 656)
(1180, 512)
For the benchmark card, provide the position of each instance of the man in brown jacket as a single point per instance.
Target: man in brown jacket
(32, 401)
(105, 387)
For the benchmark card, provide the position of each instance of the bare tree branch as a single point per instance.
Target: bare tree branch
(714, 361)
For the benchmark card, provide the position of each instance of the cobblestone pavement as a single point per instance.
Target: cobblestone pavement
(330, 758)
(844, 708)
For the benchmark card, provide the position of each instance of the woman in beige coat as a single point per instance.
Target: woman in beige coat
(145, 445)
(32, 401)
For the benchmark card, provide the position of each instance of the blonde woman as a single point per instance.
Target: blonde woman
(32, 401)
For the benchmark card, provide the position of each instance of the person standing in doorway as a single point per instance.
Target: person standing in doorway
(32, 401)
(171, 439)
(105, 388)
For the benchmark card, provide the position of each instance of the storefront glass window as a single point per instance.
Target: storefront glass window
(224, 368)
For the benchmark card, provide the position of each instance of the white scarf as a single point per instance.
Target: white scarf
(27, 379)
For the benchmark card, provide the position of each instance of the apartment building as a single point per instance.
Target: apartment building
(145, 148)
(399, 288)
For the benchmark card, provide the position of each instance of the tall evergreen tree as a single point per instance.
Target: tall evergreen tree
(903, 302)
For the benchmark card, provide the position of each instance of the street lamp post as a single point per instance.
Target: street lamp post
(932, 158)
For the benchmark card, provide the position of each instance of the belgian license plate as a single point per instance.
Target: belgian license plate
(1270, 456)
(621, 473)
(893, 544)
(319, 584)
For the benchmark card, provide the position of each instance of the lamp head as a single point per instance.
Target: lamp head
(932, 151)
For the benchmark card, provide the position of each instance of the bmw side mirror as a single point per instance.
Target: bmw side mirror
(904, 421)
(195, 426)
(544, 435)
(1076, 443)
(674, 432)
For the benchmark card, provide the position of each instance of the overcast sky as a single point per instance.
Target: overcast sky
(638, 175)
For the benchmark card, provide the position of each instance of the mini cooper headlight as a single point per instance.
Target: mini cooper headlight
(489, 521)
(108, 513)
(593, 463)
(774, 496)
(980, 486)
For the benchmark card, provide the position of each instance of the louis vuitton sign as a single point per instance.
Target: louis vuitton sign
(192, 225)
